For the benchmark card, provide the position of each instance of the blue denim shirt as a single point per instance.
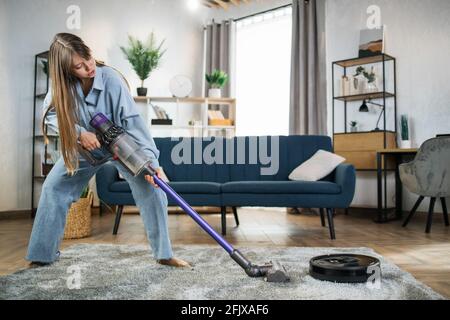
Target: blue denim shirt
(109, 95)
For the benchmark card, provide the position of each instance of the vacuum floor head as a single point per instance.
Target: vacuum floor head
(272, 272)
(277, 273)
(344, 268)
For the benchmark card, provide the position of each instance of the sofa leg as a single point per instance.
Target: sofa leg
(322, 217)
(236, 218)
(223, 212)
(444, 211)
(118, 216)
(430, 214)
(331, 223)
(413, 210)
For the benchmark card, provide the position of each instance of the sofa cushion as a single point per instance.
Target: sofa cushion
(289, 154)
(321, 164)
(241, 157)
(281, 187)
(180, 187)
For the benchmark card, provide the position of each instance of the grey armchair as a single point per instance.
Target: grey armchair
(428, 175)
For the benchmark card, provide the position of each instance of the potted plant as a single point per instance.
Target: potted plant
(353, 126)
(405, 141)
(216, 80)
(144, 58)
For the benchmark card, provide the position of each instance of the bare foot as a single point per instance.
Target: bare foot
(174, 262)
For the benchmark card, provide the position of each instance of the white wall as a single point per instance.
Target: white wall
(418, 35)
(8, 128)
(27, 27)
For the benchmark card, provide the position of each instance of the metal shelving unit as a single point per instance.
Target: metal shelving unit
(384, 94)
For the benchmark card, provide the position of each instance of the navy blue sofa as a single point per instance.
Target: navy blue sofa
(233, 185)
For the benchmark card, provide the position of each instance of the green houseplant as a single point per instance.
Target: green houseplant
(216, 80)
(405, 141)
(144, 57)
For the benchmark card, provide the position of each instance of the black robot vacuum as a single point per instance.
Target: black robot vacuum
(343, 268)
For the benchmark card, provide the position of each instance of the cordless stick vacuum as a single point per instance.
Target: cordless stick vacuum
(125, 150)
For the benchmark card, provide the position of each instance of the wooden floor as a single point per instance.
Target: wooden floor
(426, 256)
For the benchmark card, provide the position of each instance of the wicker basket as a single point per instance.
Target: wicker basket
(78, 223)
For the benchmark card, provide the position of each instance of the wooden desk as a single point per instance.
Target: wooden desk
(398, 155)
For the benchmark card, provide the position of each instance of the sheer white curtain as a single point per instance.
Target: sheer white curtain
(263, 58)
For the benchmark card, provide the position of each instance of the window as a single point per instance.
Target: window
(263, 59)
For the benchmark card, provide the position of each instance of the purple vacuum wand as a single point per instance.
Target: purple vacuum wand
(129, 154)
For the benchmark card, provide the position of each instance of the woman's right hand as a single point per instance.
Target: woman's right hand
(89, 141)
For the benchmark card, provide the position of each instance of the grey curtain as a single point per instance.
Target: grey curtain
(308, 112)
(220, 54)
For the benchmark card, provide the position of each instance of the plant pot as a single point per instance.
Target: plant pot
(214, 93)
(141, 92)
(353, 129)
(405, 144)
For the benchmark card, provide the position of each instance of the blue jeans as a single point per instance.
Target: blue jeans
(59, 190)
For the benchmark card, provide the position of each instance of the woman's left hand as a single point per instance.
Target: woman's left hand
(150, 179)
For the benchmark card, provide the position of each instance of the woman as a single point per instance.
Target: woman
(81, 87)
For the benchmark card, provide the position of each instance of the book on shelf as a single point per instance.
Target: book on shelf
(215, 114)
(160, 113)
(216, 118)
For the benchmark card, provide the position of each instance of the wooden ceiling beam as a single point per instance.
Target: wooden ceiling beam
(208, 4)
(221, 3)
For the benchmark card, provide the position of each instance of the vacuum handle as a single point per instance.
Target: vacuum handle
(89, 157)
(191, 212)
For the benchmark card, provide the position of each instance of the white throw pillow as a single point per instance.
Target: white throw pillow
(163, 175)
(321, 164)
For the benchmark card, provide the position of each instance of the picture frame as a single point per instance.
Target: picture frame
(371, 42)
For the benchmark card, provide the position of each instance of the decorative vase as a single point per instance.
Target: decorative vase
(362, 85)
(371, 86)
(358, 85)
(345, 86)
(214, 93)
(353, 129)
(141, 92)
(353, 85)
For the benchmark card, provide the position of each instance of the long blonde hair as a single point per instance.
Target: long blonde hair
(64, 94)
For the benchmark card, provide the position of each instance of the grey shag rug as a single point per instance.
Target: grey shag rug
(104, 271)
